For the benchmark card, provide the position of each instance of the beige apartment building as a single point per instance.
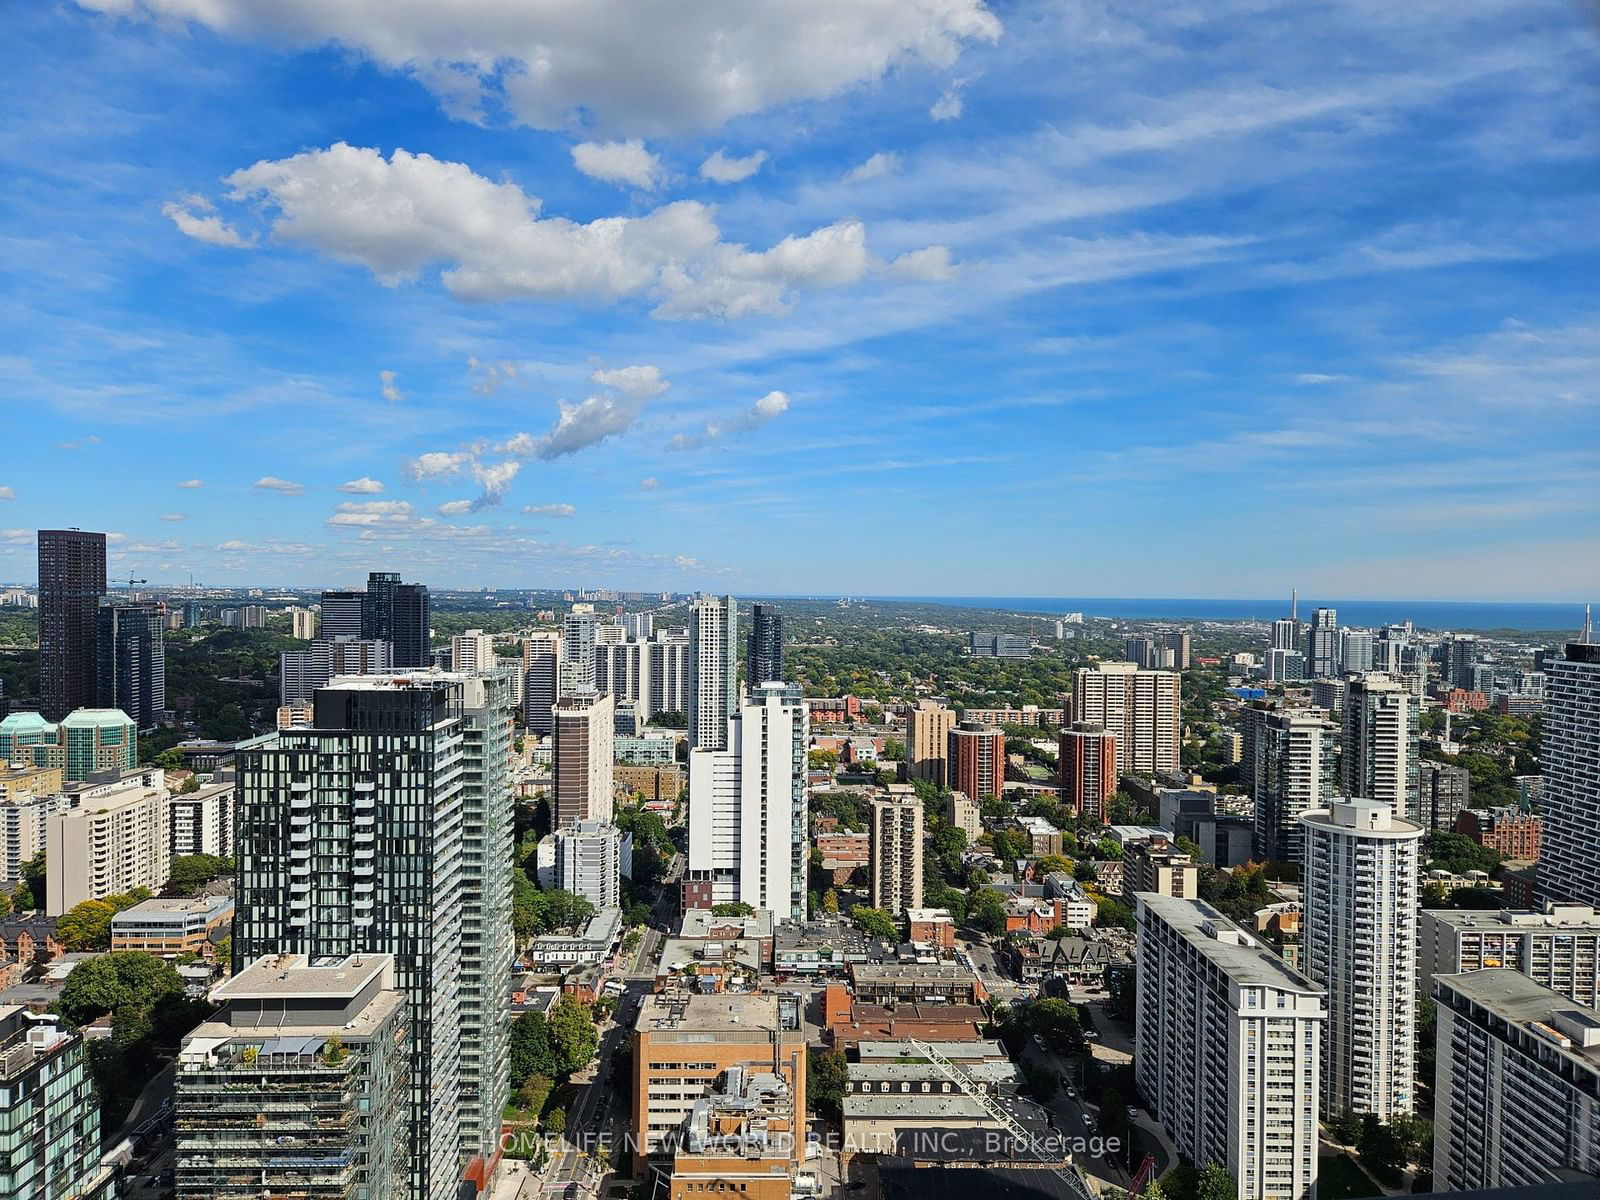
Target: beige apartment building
(897, 855)
(114, 841)
(928, 727)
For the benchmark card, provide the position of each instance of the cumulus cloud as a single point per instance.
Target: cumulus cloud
(191, 483)
(949, 105)
(649, 483)
(549, 510)
(884, 162)
(773, 404)
(720, 168)
(286, 487)
(365, 486)
(390, 392)
(615, 65)
(8, 493)
(196, 217)
(437, 464)
(455, 508)
(402, 215)
(618, 162)
(371, 512)
(174, 516)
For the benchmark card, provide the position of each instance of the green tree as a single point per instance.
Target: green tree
(733, 908)
(191, 872)
(110, 983)
(1108, 848)
(531, 1053)
(86, 926)
(30, 894)
(1346, 1127)
(874, 922)
(1057, 1022)
(986, 910)
(1215, 1184)
(555, 1121)
(573, 1036)
(830, 902)
(827, 1077)
(1113, 914)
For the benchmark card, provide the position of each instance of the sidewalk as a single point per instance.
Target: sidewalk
(514, 1182)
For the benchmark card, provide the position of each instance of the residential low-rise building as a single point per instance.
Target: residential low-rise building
(169, 927)
(933, 927)
(892, 1099)
(585, 947)
(1510, 831)
(924, 983)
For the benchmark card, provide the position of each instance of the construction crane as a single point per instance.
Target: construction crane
(1069, 1175)
(132, 581)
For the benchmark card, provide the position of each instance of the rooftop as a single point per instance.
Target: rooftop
(698, 923)
(1238, 954)
(1567, 1028)
(277, 975)
(707, 1014)
(1564, 916)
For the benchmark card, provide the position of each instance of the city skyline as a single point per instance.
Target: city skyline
(1268, 295)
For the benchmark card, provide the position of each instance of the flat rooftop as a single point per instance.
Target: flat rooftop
(1537, 1011)
(707, 1014)
(1247, 961)
(1564, 916)
(277, 975)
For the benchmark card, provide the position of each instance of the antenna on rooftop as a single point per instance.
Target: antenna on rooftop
(1588, 627)
(1294, 604)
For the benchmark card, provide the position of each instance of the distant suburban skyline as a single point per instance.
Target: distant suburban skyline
(855, 296)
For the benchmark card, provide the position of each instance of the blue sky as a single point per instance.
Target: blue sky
(877, 296)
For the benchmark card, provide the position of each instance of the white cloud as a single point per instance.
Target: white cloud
(8, 493)
(931, 262)
(437, 464)
(615, 65)
(365, 486)
(271, 483)
(720, 168)
(1312, 379)
(949, 105)
(549, 510)
(884, 162)
(16, 537)
(192, 483)
(618, 162)
(371, 512)
(196, 217)
(641, 381)
(650, 483)
(390, 392)
(773, 404)
(489, 376)
(174, 516)
(455, 508)
(402, 215)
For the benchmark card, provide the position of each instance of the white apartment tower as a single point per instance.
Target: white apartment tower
(1228, 1048)
(115, 840)
(1142, 708)
(577, 671)
(1288, 764)
(896, 851)
(1569, 861)
(472, 651)
(1379, 749)
(713, 671)
(589, 862)
(1515, 1103)
(747, 805)
(1359, 899)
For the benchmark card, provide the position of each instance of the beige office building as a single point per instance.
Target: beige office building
(928, 727)
(114, 841)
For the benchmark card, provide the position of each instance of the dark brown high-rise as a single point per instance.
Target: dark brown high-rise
(72, 578)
